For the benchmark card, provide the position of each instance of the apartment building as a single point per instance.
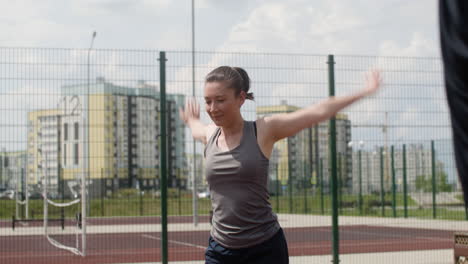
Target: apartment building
(298, 156)
(115, 144)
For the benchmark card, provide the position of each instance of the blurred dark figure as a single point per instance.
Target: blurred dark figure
(453, 18)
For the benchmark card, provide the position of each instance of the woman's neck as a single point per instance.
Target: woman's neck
(233, 128)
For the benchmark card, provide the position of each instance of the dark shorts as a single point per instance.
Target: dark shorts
(272, 251)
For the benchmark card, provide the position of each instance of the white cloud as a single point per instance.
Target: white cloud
(55, 23)
(300, 26)
(23, 10)
(267, 24)
(418, 46)
(118, 7)
(334, 18)
(340, 27)
(225, 5)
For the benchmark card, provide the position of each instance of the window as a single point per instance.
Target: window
(76, 130)
(75, 153)
(65, 131)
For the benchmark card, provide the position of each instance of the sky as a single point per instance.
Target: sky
(402, 28)
(383, 28)
(366, 27)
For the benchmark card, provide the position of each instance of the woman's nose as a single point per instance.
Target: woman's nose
(211, 107)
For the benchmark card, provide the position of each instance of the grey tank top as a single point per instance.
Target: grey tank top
(238, 178)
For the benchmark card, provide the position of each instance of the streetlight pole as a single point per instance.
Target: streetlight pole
(85, 206)
(194, 175)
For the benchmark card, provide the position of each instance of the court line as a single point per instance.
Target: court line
(398, 235)
(175, 242)
(379, 234)
(327, 245)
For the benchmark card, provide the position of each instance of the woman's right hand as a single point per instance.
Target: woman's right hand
(191, 111)
(190, 114)
(373, 82)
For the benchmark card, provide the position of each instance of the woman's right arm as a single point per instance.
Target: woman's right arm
(191, 117)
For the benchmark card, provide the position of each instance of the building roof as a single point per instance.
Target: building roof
(43, 112)
(285, 108)
(101, 86)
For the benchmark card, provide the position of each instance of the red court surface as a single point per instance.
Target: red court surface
(190, 245)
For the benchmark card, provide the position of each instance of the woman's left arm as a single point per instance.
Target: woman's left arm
(283, 125)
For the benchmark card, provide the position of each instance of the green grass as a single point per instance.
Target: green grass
(281, 204)
(460, 197)
(146, 205)
(112, 207)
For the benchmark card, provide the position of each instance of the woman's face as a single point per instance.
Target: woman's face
(221, 103)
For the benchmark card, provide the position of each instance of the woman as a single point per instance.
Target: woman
(237, 152)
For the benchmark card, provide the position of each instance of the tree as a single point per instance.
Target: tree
(442, 183)
(424, 183)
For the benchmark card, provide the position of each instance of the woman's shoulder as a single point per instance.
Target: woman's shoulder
(260, 122)
(210, 130)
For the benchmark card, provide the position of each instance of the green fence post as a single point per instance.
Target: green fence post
(62, 183)
(360, 180)
(163, 158)
(382, 191)
(405, 186)
(305, 189)
(306, 169)
(290, 181)
(434, 187)
(179, 196)
(140, 198)
(311, 169)
(317, 162)
(277, 190)
(340, 184)
(334, 176)
(466, 212)
(322, 202)
(26, 196)
(392, 157)
(103, 188)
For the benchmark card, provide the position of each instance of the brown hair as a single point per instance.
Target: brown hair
(235, 77)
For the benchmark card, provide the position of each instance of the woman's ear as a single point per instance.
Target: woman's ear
(242, 97)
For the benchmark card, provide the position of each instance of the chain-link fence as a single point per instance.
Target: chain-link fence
(74, 120)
